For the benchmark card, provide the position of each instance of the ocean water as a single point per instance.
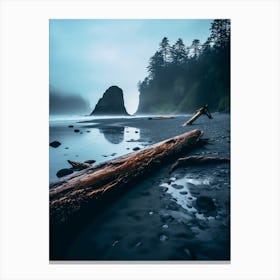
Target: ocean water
(93, 141)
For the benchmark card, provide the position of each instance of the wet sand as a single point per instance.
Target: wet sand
(180, 216)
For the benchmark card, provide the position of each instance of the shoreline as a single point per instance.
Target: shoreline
(148, 221)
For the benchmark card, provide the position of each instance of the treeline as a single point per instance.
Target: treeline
(181, 78)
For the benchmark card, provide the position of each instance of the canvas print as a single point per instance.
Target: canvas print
(139, 140)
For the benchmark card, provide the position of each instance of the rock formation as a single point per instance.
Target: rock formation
(112, 103)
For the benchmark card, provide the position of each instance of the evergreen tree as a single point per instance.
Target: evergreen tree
(179, 53)
(165, 50)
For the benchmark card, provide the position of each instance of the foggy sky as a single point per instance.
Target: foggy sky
(88, 56)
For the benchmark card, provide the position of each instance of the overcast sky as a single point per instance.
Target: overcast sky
(88, 56)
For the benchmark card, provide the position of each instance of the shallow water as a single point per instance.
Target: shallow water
(100, 143)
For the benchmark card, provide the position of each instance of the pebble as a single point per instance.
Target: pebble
(138, 244)
(55, 144)
(165, 226)
(71, 126)
(163, 238)
(136, 149)
(178, 187)
(64, 172)
(151, 213)
(205, 203)
(187, 252)
(76, 130)
(184, 192)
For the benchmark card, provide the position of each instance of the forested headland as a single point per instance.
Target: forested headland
(182, 78)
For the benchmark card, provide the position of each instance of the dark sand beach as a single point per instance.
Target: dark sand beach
(184, 215)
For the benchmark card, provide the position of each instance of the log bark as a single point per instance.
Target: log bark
(197, 160)
(69, 195)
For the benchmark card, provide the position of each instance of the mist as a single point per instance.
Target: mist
(62, 103)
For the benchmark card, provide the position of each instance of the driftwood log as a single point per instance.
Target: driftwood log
(202, 111)
(197, 160)
(70, 194)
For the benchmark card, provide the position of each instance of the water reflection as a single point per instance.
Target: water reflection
(114, 134)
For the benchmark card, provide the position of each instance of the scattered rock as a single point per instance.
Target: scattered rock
(71, 126)
(136, 131)
(205, 204)
(64, 172)
(138, 244)
(187, 253)
(76, 130)
(165, 226)
(90, 161)
(113, 154)
(183, 192)
(115, 243)
(136, 149)
(164, 189)
(55, 144)
(66, 148)
(88, 131)
(163, 238)
(178, 187)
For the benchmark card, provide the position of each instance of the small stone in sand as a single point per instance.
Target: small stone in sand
(128, 148)
(151, 213)
(138, 244)
(113, 154)
(66, 148)
(184, 192)
(90, 161)
(76, 130)
(64, 172)
(165, 226)
(71, 126)
(136, 149)
(88, 131)
(205, 203)
(55, 144)
(178, 187)
(187, 251)
(163, 238)
(136, 131)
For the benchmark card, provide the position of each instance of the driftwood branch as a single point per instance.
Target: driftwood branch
(70, 194)
(202, 111)
(197, 160)
(79, 165)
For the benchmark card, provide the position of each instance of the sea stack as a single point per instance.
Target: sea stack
(112, 103)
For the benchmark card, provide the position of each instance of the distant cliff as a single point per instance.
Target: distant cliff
(112, 103)
(62, 103)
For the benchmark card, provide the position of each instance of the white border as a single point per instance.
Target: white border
(255, 138)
